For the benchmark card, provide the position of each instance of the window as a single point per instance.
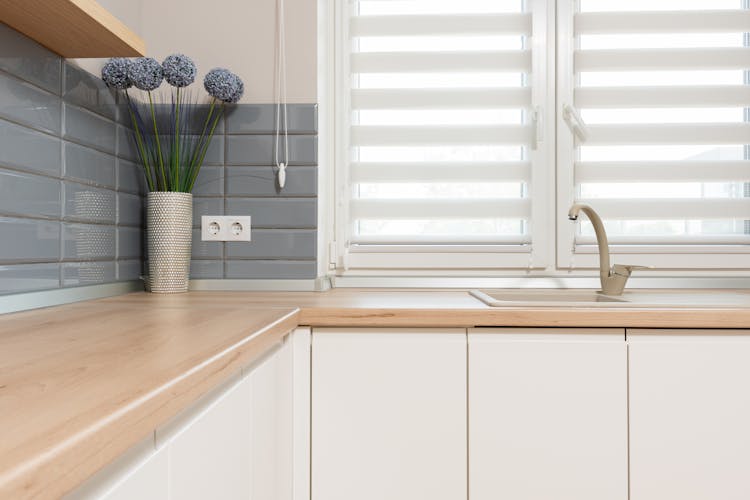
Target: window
(455, 120)
(662, 88)
(440, 125)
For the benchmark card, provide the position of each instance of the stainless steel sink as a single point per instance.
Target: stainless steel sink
(631, 298)
(545, 298)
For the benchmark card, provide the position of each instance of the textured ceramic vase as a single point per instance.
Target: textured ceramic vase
(169, 224)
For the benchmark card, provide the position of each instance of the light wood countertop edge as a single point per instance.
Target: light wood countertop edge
(712, 318)
(68, 464)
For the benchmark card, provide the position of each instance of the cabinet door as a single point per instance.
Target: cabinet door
(148, 481)
(210, 456)
(547, 414)
(388, 414)
(140, 473)
(689, 415)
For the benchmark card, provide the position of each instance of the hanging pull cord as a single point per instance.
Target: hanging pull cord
(281, 94)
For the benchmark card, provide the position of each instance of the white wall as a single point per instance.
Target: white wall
(236, 34)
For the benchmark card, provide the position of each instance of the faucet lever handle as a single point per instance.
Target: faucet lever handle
(627, 269)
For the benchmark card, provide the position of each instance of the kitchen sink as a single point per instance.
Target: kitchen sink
(544, 298)
(631, 298)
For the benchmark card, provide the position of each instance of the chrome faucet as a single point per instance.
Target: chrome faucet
(613, 279)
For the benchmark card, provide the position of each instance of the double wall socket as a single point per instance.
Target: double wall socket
(225, 228)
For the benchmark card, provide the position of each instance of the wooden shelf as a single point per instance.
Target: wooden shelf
(72, 28)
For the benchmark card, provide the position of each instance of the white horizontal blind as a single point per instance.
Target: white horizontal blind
(662, 86)
(440, 123)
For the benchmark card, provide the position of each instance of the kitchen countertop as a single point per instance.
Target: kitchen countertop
(81, 383)
(451, 308)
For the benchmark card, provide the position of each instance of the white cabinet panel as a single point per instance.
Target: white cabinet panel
(148, 481)
(210, 457)
(140, 473)
(280, 420)
(388, 414)
(689, 415)
(547, 414)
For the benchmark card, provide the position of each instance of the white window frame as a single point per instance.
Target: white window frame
(571, 256)
(489, 257)
(553, 253)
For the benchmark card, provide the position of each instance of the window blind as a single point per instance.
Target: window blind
(662, 88)
(440, 122)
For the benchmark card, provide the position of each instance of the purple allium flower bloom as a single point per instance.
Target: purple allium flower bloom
(115, 73)
(146, 73)
(179, 70)
(223, 85)
(239, 89)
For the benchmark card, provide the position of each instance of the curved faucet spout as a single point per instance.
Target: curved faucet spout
(601, 238)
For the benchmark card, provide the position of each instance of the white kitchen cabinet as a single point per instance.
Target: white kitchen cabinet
(389, 414)
(148, 481)
(280, 420)
(689, 414)
(210, 456)
(547, 414)
(139, 473)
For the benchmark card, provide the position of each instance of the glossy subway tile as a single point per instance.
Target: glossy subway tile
(32, 241)
(88, 203)
(29, 61)
(29, 105)
(262, 182)
(89, 166)
(88, 242)
(276, 244)
(295, 213)
(29, 195)
(22, 278)
(88, 128)
(27, 149)
(270, 269)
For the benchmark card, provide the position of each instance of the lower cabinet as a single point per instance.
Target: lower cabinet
(547, 414)
(451, 414)
(689, 414)
(147, 480)
(389, 414)
(209, 457)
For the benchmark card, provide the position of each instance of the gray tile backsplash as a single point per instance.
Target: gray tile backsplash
(284, 222)
(60, 176)
(72, 193)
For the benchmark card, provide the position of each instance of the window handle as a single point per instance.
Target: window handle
(537, 119)
(575, 122)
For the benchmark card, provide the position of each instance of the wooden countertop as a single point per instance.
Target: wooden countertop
(81, 383)
(449, 308)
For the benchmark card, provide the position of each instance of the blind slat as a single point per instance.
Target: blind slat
(671, 208)
(663, 96)
(662, 59)
(440, 209)
(678, 239)
(421, 62)
(439, 135)
(472, 98)
(458, 24)
(699, 21)
(441, 172)
(449, 239)
(673, 134)
(664, 171)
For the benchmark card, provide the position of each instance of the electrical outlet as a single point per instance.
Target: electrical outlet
(225, 228)
(238, 228)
